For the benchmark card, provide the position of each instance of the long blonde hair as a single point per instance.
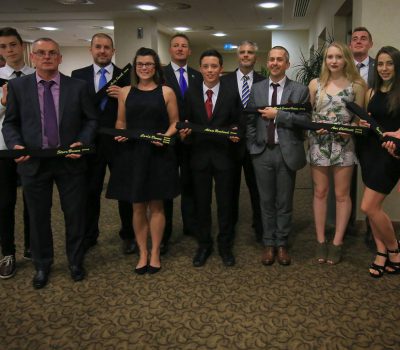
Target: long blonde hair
(349, 70)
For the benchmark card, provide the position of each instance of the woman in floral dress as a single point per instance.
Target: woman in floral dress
(334, 153)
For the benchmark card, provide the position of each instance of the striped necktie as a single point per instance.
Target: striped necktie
(245, 91)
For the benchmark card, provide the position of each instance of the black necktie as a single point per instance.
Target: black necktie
(271, 125)
(17, 73)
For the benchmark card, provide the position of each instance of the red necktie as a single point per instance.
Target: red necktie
(271, 125)
(209, 104)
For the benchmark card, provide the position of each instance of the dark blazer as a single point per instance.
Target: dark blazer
(22, 124)
(231, 80)
(371, 69)
(195, 79)
(108, 116)
(206, 149)
(290, 137)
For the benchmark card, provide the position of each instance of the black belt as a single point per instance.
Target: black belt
(48, 152)
(217, 131)
(137, 135)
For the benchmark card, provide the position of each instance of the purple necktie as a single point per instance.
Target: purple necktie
(182, 81)
(50, 115)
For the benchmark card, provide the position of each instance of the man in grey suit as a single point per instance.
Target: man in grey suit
(49, 110)
(360, 44)
(277, 150)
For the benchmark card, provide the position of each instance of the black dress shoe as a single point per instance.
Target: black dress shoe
(141, 270)
(164, 248)
(129, 246)
(201, 256)
(227, 257)
(77, 272)
(40, 279)
(152, 269)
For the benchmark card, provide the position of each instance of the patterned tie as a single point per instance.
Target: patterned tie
(17, 73)
(245, 91)
(359, 66)
(209, 104)
(50, 115)
(102, 82)
(271, 125)
(182, 81)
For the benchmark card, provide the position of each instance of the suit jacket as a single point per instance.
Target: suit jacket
(108, 116)
(371, 72)
(22, 124)
(207, 149)
(195, 79)
(231, 80)
(290, 137)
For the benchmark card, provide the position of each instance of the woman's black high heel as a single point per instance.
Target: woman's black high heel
(395, 266)
(379, 269)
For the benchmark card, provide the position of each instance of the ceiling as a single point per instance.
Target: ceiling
(78, 22)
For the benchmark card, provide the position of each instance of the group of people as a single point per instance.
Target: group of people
(44, 109)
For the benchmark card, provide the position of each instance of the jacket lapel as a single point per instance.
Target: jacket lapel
(287, 90)
(63, 96)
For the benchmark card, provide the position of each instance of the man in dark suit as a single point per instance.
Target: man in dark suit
(102, 50)
(48, 110)
(179, 76)
(277, 150)
(241, 80)
(360, 44)
(12, 48)
(214, 104)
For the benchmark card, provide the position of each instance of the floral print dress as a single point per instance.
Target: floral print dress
(331, 149)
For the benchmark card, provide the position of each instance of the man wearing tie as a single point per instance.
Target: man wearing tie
(242, 80)
(179, 76)
(97, 75)
(213, 104)
(277, 150)
(49, 110)
(12, 49)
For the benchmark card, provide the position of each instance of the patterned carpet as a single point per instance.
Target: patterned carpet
(250, 306)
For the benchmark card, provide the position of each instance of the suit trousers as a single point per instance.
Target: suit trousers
(251, 183)
(97, 165)
(276, 184)
(39, 193)
(8, 197)
(203, 184)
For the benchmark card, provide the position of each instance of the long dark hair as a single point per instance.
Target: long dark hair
(394, 93)
(158, 76)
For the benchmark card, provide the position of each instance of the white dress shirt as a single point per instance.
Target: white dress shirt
(109, 73)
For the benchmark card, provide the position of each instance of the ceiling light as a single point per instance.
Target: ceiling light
(272, 26)
(219, 34)
(268, 5)
(49, 28)
(109, 27)
(146, 7)
(181, 29)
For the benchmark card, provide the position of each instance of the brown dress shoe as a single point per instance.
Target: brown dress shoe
(283, 256)
(268, 256)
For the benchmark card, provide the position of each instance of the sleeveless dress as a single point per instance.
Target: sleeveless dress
(380, 171)
(331, 149)
(142, 171)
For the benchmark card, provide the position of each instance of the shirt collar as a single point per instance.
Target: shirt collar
(240, 75)
(97, 68)
(9, 70)
(364, 62)
(56, 78)
(281, 82)
(215, 89)
(175, 67)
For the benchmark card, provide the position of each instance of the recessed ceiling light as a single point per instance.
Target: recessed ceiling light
(181, 29)
(268, 5)
(272, 26)
(146, 7)
(49, 28)
(109, 27)
(219, 34)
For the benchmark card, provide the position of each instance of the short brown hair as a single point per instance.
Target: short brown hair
(362, 29)
(104, 36)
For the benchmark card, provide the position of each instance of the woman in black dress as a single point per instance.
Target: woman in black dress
(381, 171)
(146, 173)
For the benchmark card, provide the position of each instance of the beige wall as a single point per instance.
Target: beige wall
(74, 57)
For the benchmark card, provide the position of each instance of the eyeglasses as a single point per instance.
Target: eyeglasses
(145, 65)
(41, 53)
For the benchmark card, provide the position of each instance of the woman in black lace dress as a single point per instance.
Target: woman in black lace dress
(380, 171)
(146, 173)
